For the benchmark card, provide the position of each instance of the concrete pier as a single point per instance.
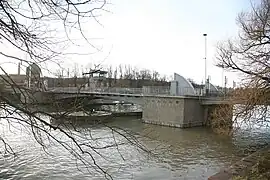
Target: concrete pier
(180, 112)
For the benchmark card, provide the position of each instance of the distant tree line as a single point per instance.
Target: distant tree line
(117, 76)
(129, 76)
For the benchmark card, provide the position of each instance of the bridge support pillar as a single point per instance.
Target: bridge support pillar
(171, 111)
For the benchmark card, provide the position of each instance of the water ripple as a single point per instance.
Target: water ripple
(188, 154)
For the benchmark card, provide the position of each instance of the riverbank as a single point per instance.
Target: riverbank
(254, 167)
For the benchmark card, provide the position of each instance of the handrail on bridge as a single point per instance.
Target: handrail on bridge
(149, 90)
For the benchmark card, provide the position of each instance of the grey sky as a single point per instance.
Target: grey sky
(167, 35)
(162, 35)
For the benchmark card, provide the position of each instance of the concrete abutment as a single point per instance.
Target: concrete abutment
(185, 112)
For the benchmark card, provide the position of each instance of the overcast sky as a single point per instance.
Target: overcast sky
(167, 35)
(164, 35)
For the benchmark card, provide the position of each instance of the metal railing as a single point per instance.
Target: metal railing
(120, 90)
(100, 90)
(63, 89)
(156, 90)
(147, 90)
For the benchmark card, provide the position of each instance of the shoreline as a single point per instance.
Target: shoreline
(242, 167)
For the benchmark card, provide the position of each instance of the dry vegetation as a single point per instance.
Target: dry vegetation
(28, 28)
(259, 171)
(248, 55)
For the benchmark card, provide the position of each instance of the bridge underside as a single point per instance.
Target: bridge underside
(131, 99)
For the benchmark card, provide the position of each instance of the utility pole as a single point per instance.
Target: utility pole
(205, 63)
(19, 67)
(29, 72)
(226, 80)
(222, 80)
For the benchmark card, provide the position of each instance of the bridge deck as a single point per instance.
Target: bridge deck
(130, 97)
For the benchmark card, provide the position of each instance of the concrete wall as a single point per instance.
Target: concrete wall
(175, 112)
(182, 112)
(193, 113)
(163, 111)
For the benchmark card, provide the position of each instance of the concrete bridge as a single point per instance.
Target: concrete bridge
(180, 105)
(158, 108)
(129, 95)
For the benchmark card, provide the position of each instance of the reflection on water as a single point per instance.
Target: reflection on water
(178, 154)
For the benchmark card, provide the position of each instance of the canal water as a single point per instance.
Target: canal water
(166, 153)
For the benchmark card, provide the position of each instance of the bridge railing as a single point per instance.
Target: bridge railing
(185, 91)
(100, 90)
(156, 90)
(146, 90)
(143, 91)
(119, 90)
(64, 89)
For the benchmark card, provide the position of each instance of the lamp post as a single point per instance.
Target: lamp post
(225, 84)
(205, 62)
(222, 79)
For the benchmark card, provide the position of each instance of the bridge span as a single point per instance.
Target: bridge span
(134, 96)
(162, 109)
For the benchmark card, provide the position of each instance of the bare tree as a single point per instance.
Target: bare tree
(120, 68)
(145, 74)
(30, 28)
(248, 54)
(110, 75)
(134, 74)
(128, 75)
(59, 73)
(127, 72)
(75, 70)
(115, 75)
(156, 76)
(163, 78)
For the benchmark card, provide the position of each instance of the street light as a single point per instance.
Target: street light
(205, 62)
(222, 79)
